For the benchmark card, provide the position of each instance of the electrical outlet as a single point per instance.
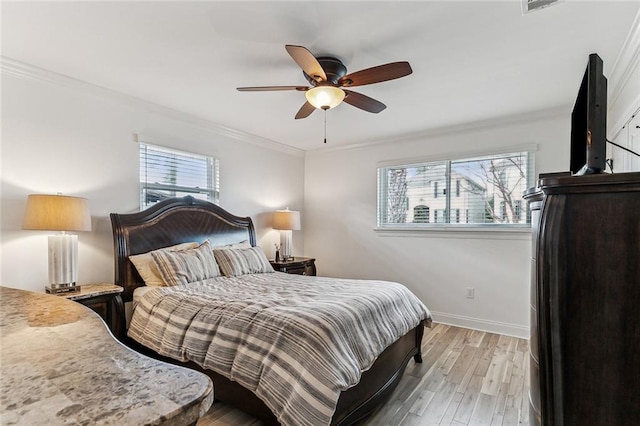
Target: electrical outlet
(471, 292)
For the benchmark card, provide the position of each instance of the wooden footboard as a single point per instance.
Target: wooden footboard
(375, 386)
(377, 383)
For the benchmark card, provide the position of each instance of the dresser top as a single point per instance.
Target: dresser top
(60, 365)
(552, 183)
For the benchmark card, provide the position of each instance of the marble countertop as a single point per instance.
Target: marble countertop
(60, 365)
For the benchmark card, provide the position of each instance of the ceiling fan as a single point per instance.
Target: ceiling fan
(328, 76)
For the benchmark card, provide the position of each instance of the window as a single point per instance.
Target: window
(166, 173)
(474, 191)
(421, 214)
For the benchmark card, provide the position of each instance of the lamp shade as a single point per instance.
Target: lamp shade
(57, 213)
(324, 97)
(286, 220)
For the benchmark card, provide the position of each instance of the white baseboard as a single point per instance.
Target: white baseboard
(515, 330)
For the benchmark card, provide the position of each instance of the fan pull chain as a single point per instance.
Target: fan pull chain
(325, 126)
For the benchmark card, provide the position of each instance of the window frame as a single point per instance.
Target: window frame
(212, 175)
(452, 228)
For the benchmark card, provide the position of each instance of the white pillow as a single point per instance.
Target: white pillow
(186, 266)
(147, 268)
(233, 262)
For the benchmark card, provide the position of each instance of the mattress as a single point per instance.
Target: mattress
(295, 341)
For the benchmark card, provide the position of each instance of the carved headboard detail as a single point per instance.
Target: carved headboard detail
(170, 222)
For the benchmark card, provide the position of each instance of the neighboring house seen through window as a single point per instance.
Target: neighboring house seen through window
(475, 191)
(166, 173)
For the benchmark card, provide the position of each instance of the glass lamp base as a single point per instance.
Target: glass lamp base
(285, 245)
(63, 260)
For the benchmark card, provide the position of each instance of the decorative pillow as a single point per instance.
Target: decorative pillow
(147, 268)
(186, 266)
(241, 245)
(235, 262)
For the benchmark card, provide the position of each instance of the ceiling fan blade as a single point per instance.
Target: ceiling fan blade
(306, 61)
(272, 88)
(363, 102)
(305, 111)
(377, 74)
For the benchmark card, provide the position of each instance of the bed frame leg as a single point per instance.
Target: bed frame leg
(419, 333)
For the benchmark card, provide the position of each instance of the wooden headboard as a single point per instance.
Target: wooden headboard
(170, 222)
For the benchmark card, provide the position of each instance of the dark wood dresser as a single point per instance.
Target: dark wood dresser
(534, 197)
(587, 300)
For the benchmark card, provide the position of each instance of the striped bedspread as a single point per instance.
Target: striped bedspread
(295, 341)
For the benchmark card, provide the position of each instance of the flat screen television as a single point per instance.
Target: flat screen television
(589, 121)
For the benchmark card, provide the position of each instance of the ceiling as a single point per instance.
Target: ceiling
(472, 61)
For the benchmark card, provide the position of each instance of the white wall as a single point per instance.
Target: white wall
(340, 213)
(624, 81)
(624, 102)
(63, 136)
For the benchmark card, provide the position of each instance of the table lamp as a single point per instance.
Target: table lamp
(64, 214)
(286, 221)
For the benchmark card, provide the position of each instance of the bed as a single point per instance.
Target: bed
(187, 220)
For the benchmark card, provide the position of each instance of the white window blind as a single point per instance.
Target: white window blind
(475, 191)
(166, 173)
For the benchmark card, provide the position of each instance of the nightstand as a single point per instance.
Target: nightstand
(106, 301)
(298, 265)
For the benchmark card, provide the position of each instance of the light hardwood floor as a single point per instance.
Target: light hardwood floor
(467, 377)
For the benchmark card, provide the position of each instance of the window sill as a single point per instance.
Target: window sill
(464, 232)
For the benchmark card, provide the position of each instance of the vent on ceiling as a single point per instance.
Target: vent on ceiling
(533, 5)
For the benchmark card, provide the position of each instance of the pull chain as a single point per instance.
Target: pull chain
(325, 126)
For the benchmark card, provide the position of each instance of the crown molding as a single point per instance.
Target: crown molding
(523, 118)
(624, 68)
(627, 61)
(27, 71)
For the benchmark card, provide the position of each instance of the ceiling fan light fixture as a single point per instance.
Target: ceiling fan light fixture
(325, 97)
